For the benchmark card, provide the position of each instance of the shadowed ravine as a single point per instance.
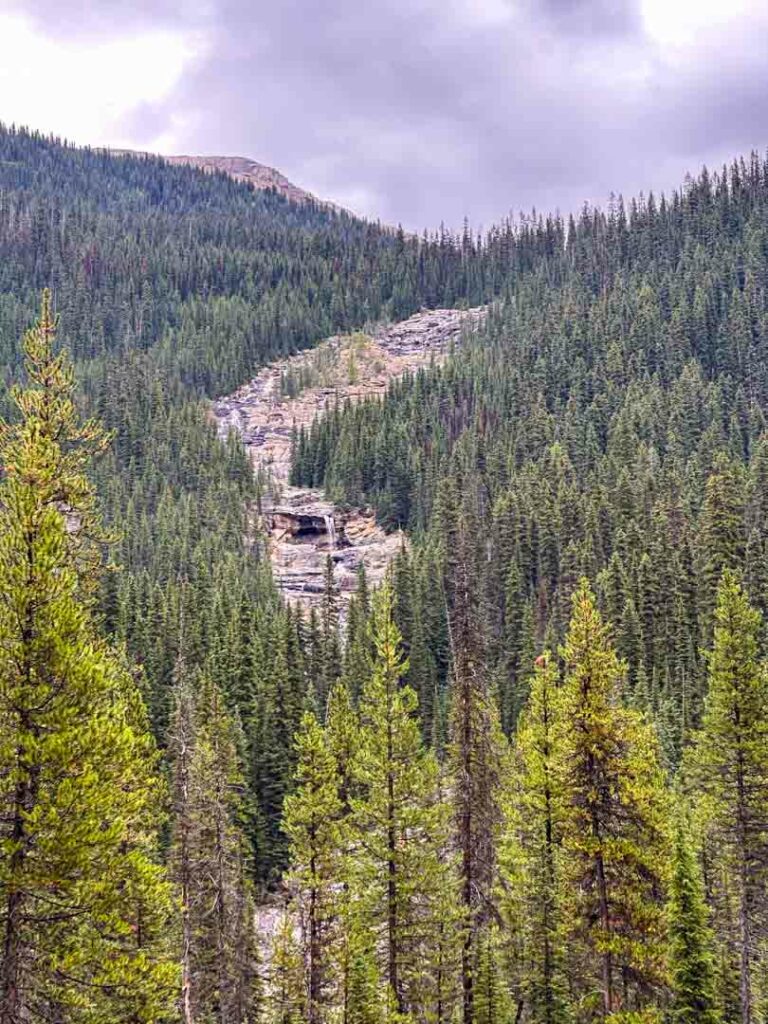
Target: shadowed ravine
(302, 527)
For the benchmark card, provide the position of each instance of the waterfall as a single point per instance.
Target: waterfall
(330, 529)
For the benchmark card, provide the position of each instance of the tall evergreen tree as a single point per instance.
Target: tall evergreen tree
(493, 1003)
(730, 764)
(210, 857)
(397, 821)
(180, 751)
(536, 823)
(615, 830)
(84, 908)
(311, 819)
(475, 744)
(721, 532)
(691, 940)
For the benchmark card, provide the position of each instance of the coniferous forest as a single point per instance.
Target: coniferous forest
(525, 781)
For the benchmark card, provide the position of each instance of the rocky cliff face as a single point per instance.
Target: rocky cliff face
(302, 527)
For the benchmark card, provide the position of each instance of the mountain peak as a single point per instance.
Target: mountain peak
(242, 168)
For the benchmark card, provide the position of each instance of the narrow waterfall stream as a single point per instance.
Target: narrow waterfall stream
(300, 524)
(330, 529)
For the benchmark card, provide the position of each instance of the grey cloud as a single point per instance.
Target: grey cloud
(84, 19)
(424, 111)
(604, 17)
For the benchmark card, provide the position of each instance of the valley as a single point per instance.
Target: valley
(484, 790)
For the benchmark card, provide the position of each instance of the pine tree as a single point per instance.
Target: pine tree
(274, 719)
(180, 749)
(475, 745)
(615, 829)
(84, 906)
(514, 641)
(397, 821)
(721, 533)
(729, 763)
(287, 990)
(691, 940)
(536, 821)
(493, 1003)
(311, 819)
(210, 859)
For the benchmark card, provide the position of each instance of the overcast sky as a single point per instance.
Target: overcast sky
(412, 111)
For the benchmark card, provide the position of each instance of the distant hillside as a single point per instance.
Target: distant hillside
(243, 169)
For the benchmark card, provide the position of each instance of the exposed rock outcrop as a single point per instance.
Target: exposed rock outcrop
(303, 528)
(241, 169)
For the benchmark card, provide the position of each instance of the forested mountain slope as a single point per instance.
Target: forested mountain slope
(241, 169)
(530, 781)
(611, 423)
(586, 487)
(171, 285)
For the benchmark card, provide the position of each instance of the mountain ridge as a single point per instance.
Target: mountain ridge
(241, 168)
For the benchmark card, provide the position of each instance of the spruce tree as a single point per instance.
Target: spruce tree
(729, 763)
(475, 742)
(397, 822)
(211, 860)
(493, 1002)
(85, 910)
(615, 829)
(691, 940)
(311, 819)
(721, 533)
(536, 825)
(180, 749)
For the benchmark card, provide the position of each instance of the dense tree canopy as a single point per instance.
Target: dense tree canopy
(525, 779)
(610, 421)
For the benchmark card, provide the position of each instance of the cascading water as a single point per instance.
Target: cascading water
(301, 542)
(330, 529)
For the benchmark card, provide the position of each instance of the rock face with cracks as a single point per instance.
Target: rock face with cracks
(302, 527)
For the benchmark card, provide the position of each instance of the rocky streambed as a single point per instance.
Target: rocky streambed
(302, 527)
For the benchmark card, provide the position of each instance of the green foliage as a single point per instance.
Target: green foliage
(607, 422)
(210, 858)
(173, 286)
(611, 414)
(86, 912)
(493, 1004)
(691, 940)
(532, 852)
(404, 825)
(287, 1003)
(311, 819)
(729, 763)
(615, 829)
